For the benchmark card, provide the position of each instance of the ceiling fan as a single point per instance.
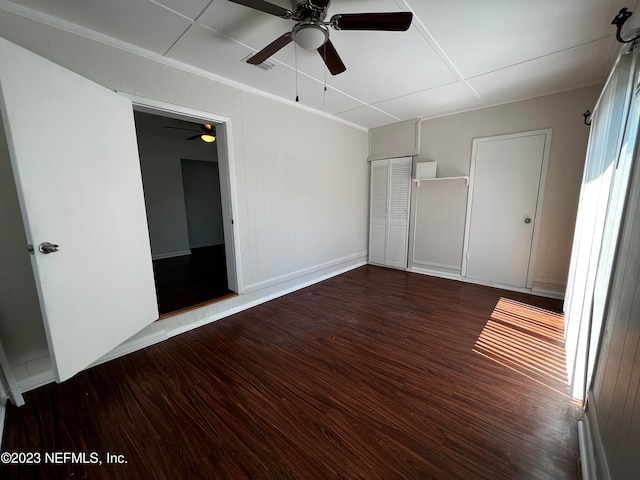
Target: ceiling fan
(207, 133)
(311, 32)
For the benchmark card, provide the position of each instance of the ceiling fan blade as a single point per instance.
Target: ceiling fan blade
(181, 128)
(194, 137)
(270, 49)
(392, 21)
(331, 58)
(265, 7)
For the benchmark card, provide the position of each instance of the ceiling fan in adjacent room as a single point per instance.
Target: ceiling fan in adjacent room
(311, 32)
(207, 132)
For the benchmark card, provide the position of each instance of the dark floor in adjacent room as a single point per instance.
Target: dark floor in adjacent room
(190, 280)
(376, 373)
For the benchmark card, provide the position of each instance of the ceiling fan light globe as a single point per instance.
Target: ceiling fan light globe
(310, 36)
(207, 138)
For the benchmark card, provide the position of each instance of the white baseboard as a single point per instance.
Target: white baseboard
(438, 266)
(305, 271)
(131, 346)
(436, 273)
(204, 245)
(180, 253)
(594, 452)
(456, 276)
(35, 381)
(586, 456)
(548, 293)
(45, 377)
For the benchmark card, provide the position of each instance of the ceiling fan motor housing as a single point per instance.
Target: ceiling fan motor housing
(310, 32)
(305, 10)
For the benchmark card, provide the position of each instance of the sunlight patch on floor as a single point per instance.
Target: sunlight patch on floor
(528, 340)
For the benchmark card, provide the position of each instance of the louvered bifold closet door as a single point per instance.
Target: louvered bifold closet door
(379, 211)
(389, 223)
(398, 226)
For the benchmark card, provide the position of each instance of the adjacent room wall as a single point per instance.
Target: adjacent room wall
(160, 161)
(300, 179)
(448, 141)
(203, 205)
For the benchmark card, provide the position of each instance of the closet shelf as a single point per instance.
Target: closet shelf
(439, 179)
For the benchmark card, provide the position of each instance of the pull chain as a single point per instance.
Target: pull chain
(295, 56)
(324, 98)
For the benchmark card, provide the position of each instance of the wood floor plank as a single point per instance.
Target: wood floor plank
(374, 374)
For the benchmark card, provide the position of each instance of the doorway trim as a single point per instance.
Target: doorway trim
(226, 165)
(538, 211)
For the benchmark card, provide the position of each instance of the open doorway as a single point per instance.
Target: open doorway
(185, 207)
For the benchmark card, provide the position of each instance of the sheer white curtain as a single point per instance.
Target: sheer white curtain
(604, 185)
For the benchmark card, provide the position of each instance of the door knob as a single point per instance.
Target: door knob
(46, 247)
(527, 220)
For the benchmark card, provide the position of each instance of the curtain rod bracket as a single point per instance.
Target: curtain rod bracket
(619, 20)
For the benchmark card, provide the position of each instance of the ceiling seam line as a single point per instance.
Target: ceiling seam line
(202, 12)
(382, 111)
(536, 58)
(508, 101)
(423, 90)
(474, 91)
(441, 53)
(433, 43)
(177, 40)
(155, 2)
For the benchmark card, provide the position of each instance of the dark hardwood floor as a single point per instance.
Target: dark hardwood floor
(190, 280)
(374, 374)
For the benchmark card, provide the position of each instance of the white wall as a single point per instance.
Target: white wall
(21, 328)
(448, 141)
(160, 161)
(300, 178)
(400, 139)
(438, 226)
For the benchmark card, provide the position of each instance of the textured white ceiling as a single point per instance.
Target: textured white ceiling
(457, 55)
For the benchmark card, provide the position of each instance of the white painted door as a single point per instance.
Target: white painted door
(506, 172)
(74, 154)
(389, 221)
(233, 281)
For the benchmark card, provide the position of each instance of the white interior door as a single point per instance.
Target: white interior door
(234, 283)
(506, 172)
(75, 160)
